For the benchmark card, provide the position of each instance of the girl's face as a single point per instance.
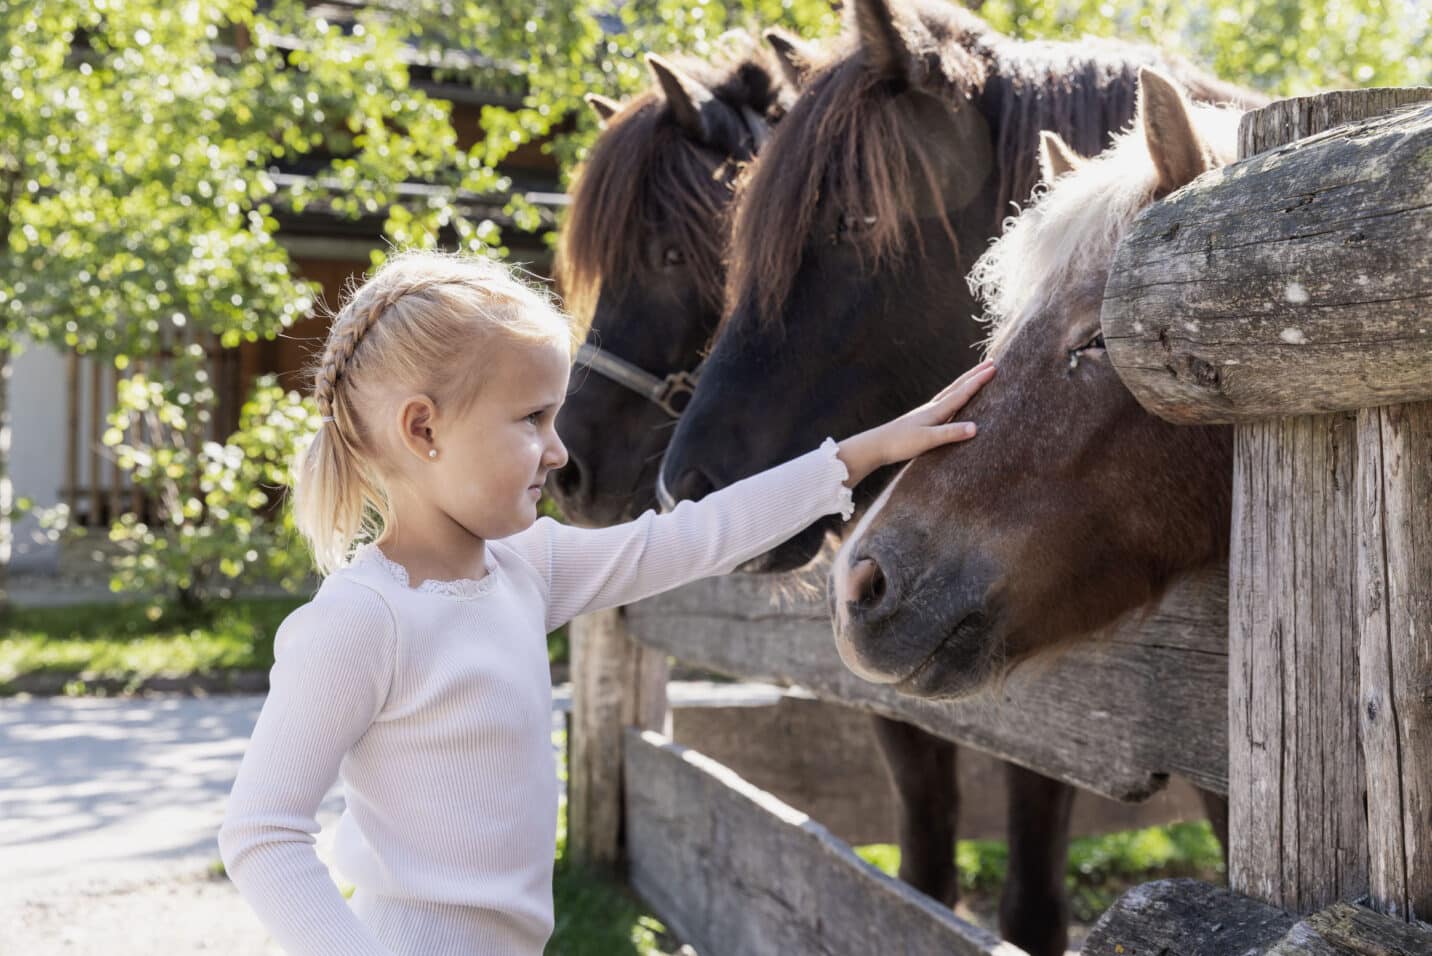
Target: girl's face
(493, 459)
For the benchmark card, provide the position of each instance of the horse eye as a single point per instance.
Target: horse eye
(850, 224)
(1094, 344)
(673, 256)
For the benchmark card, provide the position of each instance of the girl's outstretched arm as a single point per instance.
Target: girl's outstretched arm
(589, 569)
(333, 663)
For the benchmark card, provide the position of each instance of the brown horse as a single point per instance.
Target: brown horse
(1075, 506)
(847, 302)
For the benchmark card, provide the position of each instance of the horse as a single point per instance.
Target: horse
(637, 255)
(846, 302)
(1083, 507)
(639, 259)
(1079, 506)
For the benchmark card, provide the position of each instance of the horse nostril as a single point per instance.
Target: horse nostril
(866, 586)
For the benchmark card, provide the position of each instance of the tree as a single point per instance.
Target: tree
(136, 139)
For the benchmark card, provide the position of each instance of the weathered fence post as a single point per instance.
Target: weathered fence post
(616, 683)
(1298, 283)
(1317, 807)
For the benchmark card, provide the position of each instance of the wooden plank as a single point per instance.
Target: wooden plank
(1296, 281)
(1395, 589)
(734, 871)
(96, 446)
(72, 434)
(1187, 918)
(1298, 832)
(1345, 928)
(1115, 716)
(615, 684)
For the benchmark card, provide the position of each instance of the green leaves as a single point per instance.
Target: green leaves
(1282, 47)
(219, 509)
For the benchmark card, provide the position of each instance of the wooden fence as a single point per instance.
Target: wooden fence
(1305, 697)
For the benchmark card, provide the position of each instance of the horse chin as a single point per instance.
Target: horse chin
(793, 555)
(960, 665)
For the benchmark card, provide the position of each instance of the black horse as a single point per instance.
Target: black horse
(847, 302)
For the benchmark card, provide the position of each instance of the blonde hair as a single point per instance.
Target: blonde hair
(406, 327)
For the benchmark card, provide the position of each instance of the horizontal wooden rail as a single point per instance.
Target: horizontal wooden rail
(1296, 281)
(734, 871)
(1115, 716)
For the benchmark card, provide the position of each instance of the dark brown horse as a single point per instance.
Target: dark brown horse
(1076, 506)
(640, 260)
(847, 301)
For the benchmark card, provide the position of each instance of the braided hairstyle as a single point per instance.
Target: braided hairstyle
(423, 322)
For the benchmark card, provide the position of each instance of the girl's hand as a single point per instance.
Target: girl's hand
(916, 431)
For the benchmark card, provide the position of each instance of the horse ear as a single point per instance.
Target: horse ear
(1179, 153)
(887, 49)
(604, 106)
(794, 55)
(687, 98)
(1056, 157)
(705, 118)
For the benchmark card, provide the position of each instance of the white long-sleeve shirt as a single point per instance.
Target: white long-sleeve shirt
(433, 705)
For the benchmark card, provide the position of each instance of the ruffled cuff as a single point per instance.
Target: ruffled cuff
(845, 502)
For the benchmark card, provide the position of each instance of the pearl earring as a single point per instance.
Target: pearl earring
(432, 452)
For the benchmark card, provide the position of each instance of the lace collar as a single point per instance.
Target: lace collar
(458, 588)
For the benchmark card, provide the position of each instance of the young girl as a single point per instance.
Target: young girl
(419, 671)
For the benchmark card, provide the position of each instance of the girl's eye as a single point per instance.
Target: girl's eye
(534, 417)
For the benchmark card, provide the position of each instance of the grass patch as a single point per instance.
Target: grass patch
(132, 642)
(596, 916)
(1100, 868)
(129, 643)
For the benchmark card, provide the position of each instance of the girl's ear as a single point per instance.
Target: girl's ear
(416, 417)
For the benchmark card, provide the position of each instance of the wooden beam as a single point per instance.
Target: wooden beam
(1186, 917)
(732, 870)
(1298, 831)
(1190, 918)
(615, 684)
(1395, 592)
(1115, 716)
(1345, 928)
(1296, 281)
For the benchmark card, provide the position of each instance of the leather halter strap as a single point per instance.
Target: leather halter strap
(671, 394)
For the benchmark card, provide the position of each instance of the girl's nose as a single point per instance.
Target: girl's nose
(557, 454)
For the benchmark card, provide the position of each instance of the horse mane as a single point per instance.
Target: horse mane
(847, 142)
(646, 170)
(1071, 228)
